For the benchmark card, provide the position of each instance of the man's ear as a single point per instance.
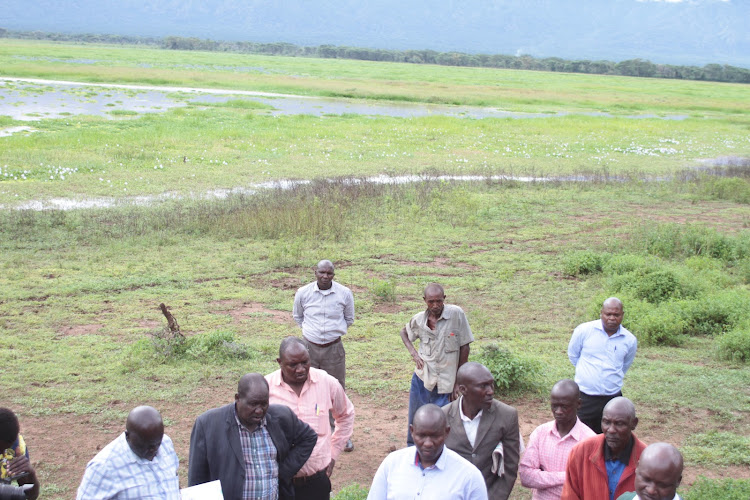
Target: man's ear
(635, 423)
(447, 430)
(461, 389)
(278, 360)
(579, 403)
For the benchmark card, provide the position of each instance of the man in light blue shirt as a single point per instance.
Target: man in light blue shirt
(140, 464)
(427, 470)
(602, 352)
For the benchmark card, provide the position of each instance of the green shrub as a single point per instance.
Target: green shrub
(717, 448)
(164, 347)
(718, 489)
(674, 240)
(732, 189)
(627, 263)
(582, 263)
(715, 313)
(217, 346)
(351, 492)
(661, 326)
(512, 373)
(384, 290)
(735, 345)
(651, 285)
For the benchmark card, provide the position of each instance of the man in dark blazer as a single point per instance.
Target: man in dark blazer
(479, 424)
(216, 450)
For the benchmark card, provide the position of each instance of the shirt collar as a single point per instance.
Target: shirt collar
(575, 431)
(329, 290)
(623, 456)
(240, 424)
(461, 411)
(618, 332)
(440, 464)
(135, 458)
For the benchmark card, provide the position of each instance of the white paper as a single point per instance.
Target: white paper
(205, 491)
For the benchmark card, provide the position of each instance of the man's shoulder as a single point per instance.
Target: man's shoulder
(338, 287)
(502, 408)
(451, 309)
(595, 324)
(215, 413)
(459, 466)
(321, 376)
(638, 447)
(279, 413)
(112, 451)
(587, 446)
(307, 288)
(542, 429)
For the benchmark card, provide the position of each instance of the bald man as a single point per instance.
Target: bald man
(428, 470)
(603, 467)
(140, 463)
(324, 309)
(479, 424)
(658, 474)
(252, 447)
(602, 352)
(542, 466)
(444, 337)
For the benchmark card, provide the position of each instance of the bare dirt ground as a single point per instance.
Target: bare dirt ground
(62, 445)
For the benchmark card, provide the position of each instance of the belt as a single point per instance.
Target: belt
(324, 345)
(300, 480)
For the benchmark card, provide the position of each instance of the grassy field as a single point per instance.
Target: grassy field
(80, 289)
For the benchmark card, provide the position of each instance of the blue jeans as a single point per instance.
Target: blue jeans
(419, 396)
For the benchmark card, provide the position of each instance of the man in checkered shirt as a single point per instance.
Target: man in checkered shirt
(140, 464)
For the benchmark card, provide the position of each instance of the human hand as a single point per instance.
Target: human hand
(329, 469)
(19, 467)
(417, 360)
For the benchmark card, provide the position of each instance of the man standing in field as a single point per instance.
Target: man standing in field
(444, 337)
(481, 426)
(140, 463)
(543, 464)
(658, 474)
(311, 394)
(603, 467)
(325, 310)
(429, 470)
(602, 352)
(252, 447)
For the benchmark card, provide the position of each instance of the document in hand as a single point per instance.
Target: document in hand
(205, 491)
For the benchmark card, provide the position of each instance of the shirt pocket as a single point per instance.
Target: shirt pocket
(451, 342)
(616, 354)
(426, 345)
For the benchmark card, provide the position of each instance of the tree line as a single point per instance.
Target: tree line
(630, 67)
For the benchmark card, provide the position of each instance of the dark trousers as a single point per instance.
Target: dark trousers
(591, 410)
(419, 396)
(315, 487)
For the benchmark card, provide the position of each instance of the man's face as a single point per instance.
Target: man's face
(435, 302)
(252, 406)
(324, 275)
(564, 408)
(657, 481)
(478, 389)
(429, 438)
(617, 427)
(295, 364)
(611, 317)
(145, 444)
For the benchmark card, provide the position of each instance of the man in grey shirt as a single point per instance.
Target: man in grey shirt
(325, 309)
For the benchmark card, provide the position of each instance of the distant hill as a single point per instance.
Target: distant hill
(692, 32)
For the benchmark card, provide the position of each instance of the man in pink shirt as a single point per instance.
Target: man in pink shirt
(311, 393)
(543, 464)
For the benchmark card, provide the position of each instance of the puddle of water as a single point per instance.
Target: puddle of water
(15, 130)
(25, 100)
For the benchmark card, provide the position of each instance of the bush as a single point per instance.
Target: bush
(653, 286)
(216, 346)
(351, 492)
(661, 326)
(674, 240)
(628, 263)
(719, 489)
(164, 347)
(735, 345)
(512, 373)
(582, 263)
(714, 314)
(732, 189)
(384, 290)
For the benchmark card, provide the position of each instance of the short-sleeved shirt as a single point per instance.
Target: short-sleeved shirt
(439, 348)
(118, 473)
(17, 449)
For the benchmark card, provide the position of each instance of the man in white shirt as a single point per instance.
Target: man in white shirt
(427, 470)
(141, 463)
(324, 309)
(658, 474)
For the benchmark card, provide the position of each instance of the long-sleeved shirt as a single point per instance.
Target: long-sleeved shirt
(601, 360)
(401, 477)
(543, 464)
(320, 393)
(324, 315)
(118, 473)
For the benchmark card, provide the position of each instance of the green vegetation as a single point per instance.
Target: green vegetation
(527, 261)
(719, 489)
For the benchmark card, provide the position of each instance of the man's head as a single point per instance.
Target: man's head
(477, 385)
(324, 274)
(294, 361)
(144, 431)
(565, 399)
(251, 400)
(434, 297)
(429, 430)
(9, 428)
(611, 314)
(618, 423)
(659, 472)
